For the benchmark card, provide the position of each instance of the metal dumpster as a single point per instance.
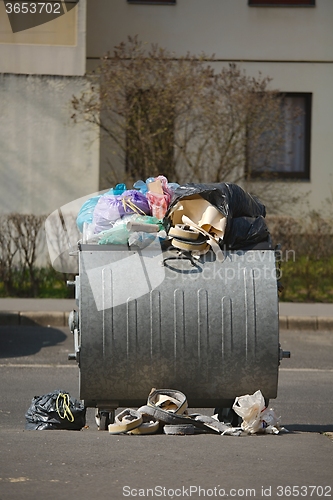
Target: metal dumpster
(153, 318)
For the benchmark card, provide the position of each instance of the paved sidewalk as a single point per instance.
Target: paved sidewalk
(13, 304)
(44, 312)
(54, 312)
(317, 316)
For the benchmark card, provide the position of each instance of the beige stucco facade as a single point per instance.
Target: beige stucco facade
(292, 45)
(57, 47)
(46, 159)
(230, 29)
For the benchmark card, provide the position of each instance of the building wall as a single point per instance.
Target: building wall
(46, 160)
(227, 28)
(293, 45)
(316, 78)
(57, 47)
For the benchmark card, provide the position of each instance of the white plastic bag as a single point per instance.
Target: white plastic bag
(256, 416)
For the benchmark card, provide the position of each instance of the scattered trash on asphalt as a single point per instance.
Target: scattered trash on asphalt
(257, 418)
(55, 410)
(167, 411)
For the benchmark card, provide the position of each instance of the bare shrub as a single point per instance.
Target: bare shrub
(20, 236)
(309, 236)
(178, 116)
(8, 251)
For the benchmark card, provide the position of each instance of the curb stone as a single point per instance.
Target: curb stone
(283, 322)
(34, 318)
(325, 323)
(302, 323)
(329, 435)
(60, 318)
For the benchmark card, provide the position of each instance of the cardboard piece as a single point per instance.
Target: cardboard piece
(155, 187)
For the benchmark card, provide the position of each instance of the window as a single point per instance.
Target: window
(156, 2)
(289, 156)
(282, 3)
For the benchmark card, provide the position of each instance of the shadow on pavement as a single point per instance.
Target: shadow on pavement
(308, 428)
(16, 341)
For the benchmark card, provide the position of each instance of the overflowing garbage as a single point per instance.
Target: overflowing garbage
(166, 412)
(257, 417)
(195, 218)
(191, 217)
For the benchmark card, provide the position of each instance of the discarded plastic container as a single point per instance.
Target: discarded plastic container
(151, 318)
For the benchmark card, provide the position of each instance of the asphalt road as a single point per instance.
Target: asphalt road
(81, 465)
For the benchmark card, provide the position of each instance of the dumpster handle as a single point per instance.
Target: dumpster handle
(181, 256)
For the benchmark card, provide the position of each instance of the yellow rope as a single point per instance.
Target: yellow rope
(65, 407)
(129, 203)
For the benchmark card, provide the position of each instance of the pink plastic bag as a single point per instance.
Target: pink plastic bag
(159, 196)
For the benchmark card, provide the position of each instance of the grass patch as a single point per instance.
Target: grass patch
(48, 283)
(304, 280)
(307, 280)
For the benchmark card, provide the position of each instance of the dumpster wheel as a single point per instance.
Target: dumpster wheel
(228, 416)
(103, 418)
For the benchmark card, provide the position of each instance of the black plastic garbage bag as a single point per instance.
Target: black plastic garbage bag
(235, 204)
(55, 410)
(230, 199)
(246, 232)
